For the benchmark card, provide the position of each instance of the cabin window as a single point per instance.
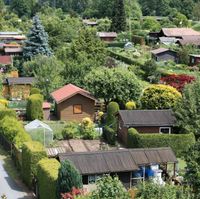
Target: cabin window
(93, 178)
(165, 130)
(77, 109)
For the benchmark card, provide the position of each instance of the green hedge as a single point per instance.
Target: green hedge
(109, 135)
(123, 58)
(47, 174)
(7, 112)
(13, 131)
(32, 153)
(34, 107)
(116, 44)
(178, 142)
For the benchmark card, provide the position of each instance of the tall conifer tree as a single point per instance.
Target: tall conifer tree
(37, 41)
(118, 17)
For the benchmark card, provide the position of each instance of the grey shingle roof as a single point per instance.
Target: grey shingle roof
(139, 118)
(19, 80)
(118, 160)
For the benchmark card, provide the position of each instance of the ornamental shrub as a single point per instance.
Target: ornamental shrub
(177, 81)
(130, 105)
(35, 91)
(109, 135)
(13, 131)
(34, 107)
(111, 119)
(71, 130)
(87, 129)
(160, 97)
(7, 112)
(178, 142)
(47, 175)
(68, 177)
(32, 153)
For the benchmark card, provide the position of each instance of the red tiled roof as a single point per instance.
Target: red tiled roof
(46, 105)
(5, 60)
(68, 91)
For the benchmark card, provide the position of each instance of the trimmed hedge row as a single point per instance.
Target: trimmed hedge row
(178, 142)
(47, 174)
(32, 153)
(123, 58)
(34, 107)
(13, 131)
(136, 39)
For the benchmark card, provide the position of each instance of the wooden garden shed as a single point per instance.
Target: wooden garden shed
(73, 103)
(145, 121)
(124, 163)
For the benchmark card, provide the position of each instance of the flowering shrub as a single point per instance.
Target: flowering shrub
(71, 195)
(177, 81)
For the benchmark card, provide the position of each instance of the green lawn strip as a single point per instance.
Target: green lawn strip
(9, 165)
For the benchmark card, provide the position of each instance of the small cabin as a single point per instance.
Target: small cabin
(107, 37)
(73, 103)
(164, 54)
(130, 165)
(17, 88)
(145, 121)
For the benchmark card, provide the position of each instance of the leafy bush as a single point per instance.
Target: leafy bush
(32, 153)
(109, 188)
(87, 129)
(68, 177)
(110, 135)
(151, 190)
(178, 142)
(130, 105)
(47, 175)
(13, 131)
(35, 91)
(7, 112)
(177, 81)
(34, 107)
(160, 97)
(71, 130)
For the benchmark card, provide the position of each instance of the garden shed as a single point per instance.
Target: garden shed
(130, 165)
(40, 131)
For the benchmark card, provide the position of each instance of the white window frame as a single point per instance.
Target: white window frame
(165, 127)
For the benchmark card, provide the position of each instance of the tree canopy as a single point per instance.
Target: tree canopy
(118, 85)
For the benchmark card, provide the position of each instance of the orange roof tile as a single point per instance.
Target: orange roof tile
(68, 91)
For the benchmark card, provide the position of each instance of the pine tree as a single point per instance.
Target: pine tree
(118, 17)
(37, 40)
(68, 177)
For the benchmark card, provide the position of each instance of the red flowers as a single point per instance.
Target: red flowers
(70, 195)
(177, 81)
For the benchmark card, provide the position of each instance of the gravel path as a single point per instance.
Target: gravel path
(9, 187)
